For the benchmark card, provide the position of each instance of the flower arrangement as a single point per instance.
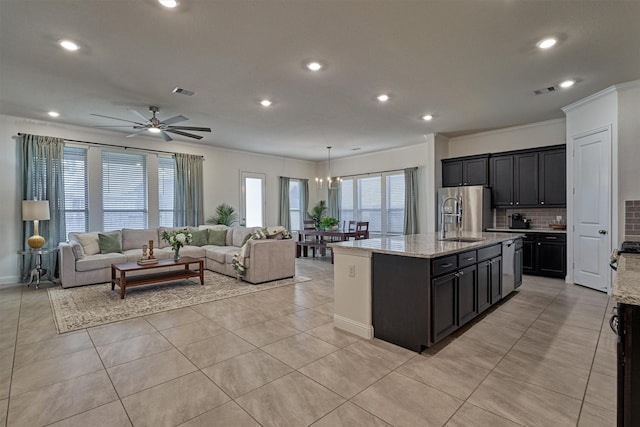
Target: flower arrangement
(177, 239)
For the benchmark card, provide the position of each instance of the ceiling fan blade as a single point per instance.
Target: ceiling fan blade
(190, 135)
(136, 133)
(116, 126)
(115, 118)
(199, 129)
(146, 119)
(176, 119)
(165, 136)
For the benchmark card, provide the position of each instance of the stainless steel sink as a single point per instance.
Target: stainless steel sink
(462, 239)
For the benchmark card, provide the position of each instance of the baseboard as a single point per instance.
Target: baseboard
(9, 281)
(356, 328)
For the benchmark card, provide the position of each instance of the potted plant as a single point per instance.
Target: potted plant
(225, 215)
(329, 223)
(317, 213)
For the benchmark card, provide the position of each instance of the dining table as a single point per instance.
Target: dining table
(320, 240)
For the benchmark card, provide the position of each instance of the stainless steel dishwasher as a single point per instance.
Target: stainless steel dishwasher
(508, 267)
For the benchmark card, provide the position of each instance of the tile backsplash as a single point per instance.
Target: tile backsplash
(540, 217)
(632, 219)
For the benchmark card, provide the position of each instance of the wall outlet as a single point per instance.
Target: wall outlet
(352, 271)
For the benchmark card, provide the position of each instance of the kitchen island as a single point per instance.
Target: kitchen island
(415, 290)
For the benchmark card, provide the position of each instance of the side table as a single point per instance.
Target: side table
(38, 272)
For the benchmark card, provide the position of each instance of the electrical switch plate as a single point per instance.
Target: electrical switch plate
(352, 271)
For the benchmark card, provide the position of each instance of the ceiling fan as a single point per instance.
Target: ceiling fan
(155, 125)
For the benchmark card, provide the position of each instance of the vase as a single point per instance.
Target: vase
(176, 254)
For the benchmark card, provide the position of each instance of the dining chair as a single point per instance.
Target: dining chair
(362, 230)
(352, 226)
(309, 224)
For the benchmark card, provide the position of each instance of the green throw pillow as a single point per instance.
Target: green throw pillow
(218, 237)
(246, 239)
(199, 238)
(109, 243)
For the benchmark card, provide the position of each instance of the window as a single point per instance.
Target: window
(124, 191)
(166, 180)
(378, 199)
(253, 199)
(296, 214)
(74, 170)
(395, 204)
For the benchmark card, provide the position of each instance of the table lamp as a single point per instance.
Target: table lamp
(35, 210)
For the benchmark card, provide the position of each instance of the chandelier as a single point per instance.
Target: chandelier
(332, 183)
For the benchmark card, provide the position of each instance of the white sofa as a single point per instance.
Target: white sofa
(266, 260)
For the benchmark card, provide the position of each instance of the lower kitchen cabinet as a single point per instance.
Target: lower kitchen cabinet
(444, 307)
(467, 294)
(544, 254)
(484, 286)
(496, 279)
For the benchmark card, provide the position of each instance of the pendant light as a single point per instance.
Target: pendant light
(332, 183)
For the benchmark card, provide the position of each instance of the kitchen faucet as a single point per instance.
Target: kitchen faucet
(457, 214)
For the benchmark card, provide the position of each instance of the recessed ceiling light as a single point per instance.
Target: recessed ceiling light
(547, 43)
(314, 65)
(69, 45)
(567, 83)
(427, 117)
(53, 114)
(383, 97)
(266, 103)
(154, 130)
(169, 4)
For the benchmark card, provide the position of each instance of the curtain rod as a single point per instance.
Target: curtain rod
(116, 146)
(376, 173)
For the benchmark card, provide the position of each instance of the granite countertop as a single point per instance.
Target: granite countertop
(526, 230)
(626, 287)
(425, 245)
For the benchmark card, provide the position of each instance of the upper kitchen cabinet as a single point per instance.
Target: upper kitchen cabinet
(472, 170)
(553, 177)
(529, 178)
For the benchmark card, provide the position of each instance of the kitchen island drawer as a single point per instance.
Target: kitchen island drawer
(467, 258)
(489, 252)
(444, 265)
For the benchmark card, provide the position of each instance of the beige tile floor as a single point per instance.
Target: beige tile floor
(544, 357)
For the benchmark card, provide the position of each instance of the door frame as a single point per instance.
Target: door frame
(613, 171)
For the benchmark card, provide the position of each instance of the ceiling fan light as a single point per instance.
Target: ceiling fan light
(154, 130)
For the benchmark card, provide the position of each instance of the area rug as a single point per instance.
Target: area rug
(94, 305)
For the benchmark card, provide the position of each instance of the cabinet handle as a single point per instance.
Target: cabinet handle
(465, 183)
(510, 203)
(446, 265)
(517, 203)
(539, 244)
(460, 273)
(542, 203)
(469, 259)
(550, 237)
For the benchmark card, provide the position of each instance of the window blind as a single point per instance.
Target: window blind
(395, 203)
(76, 208)
(124, 190)
(295, 200)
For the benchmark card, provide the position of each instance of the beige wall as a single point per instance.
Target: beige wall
(550, 132)
(628, 148)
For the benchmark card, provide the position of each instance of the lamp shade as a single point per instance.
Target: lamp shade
(35, 210)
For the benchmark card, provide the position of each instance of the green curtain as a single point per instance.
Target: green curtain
(284, 214)
(305, 198)
(188, 205)
(333, 210)
(411, 201)
(42, 179)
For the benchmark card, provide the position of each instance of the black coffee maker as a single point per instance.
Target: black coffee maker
(519, 222)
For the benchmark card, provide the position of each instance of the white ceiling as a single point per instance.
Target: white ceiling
(473, 64)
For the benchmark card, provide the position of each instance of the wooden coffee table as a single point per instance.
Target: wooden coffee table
(119, 273)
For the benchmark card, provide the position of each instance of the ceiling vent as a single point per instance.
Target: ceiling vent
(183, 91)
(546, 90)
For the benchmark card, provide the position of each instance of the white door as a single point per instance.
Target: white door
(592, 210)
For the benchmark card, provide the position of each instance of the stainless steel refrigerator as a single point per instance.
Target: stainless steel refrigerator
(476, 208)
